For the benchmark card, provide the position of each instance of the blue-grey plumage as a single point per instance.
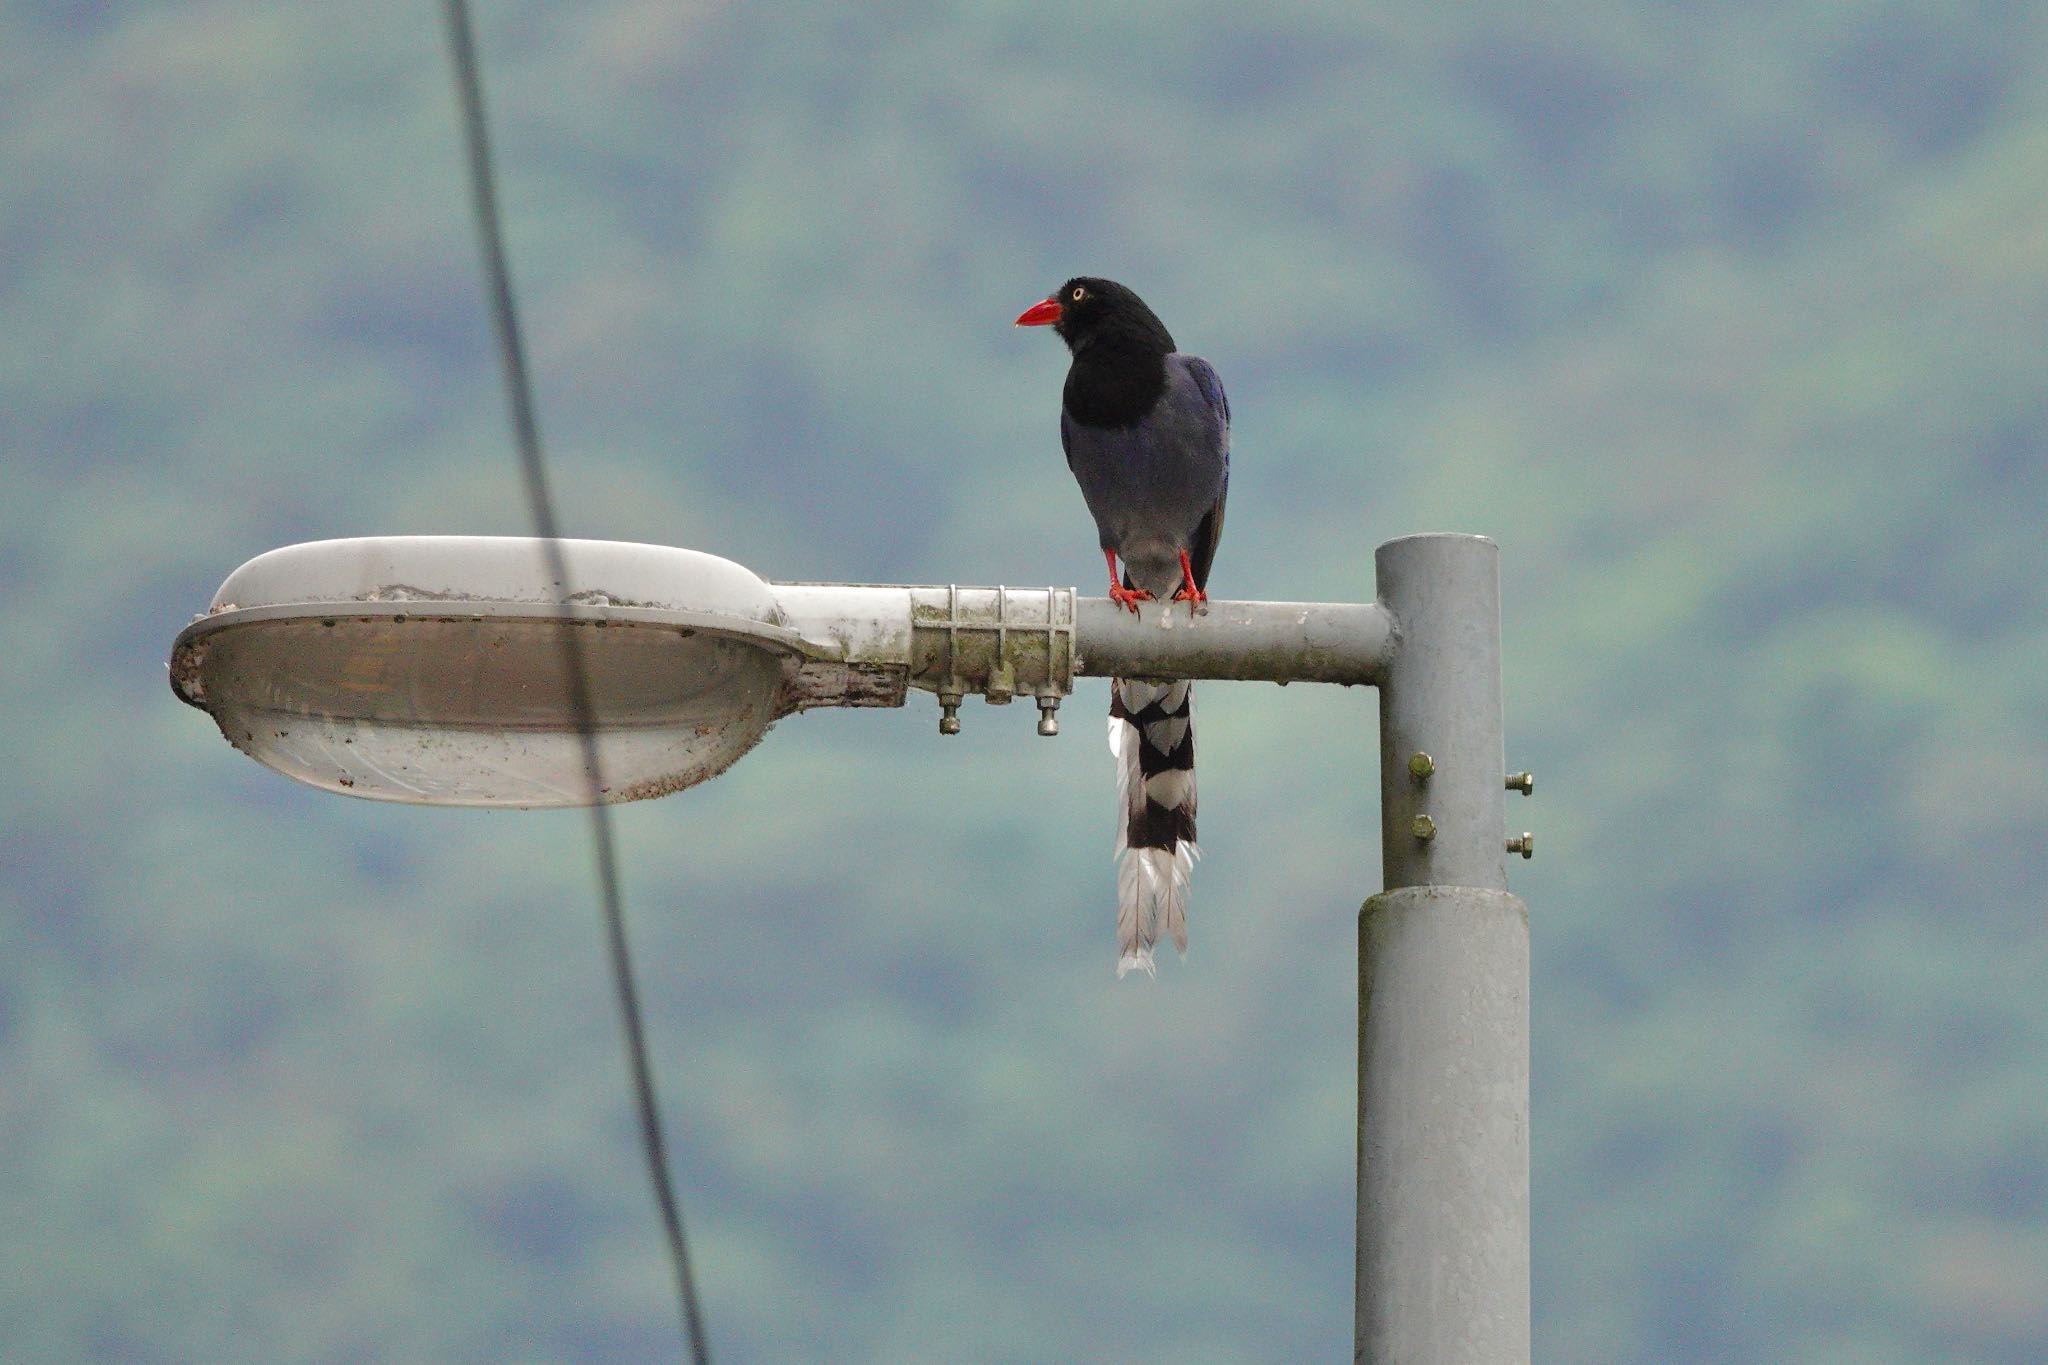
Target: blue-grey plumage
(1151, 486)
(1146, 430)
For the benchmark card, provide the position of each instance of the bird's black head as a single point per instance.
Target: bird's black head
(1085, 310)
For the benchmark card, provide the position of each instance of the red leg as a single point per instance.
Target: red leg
(1189, 592)
(1118, 593)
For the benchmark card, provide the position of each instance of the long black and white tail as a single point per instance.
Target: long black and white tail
(1152, 734)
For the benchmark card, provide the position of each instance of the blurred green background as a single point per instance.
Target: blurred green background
(1729, 321)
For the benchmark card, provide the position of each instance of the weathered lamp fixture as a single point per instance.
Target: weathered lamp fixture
(427, 668)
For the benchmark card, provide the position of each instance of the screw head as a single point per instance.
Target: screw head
(1421, 765)
(1525, 845)
(1424, 827)
(1048, 715)
(1525, 783)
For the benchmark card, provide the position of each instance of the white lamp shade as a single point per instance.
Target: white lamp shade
(430, 669)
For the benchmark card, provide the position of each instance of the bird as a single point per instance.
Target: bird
(1146, 429)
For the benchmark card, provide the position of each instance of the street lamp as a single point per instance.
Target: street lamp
(430, 669)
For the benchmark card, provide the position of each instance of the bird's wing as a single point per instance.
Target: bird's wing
(1206, 379)
(1202, 545)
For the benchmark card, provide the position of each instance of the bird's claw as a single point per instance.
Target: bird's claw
(1128, 598)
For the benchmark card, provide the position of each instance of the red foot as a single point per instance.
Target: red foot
(1189, 592)
(1128, 598)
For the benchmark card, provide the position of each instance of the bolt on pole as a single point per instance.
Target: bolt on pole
(1443, 985)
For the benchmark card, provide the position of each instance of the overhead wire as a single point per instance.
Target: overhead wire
(540, 506)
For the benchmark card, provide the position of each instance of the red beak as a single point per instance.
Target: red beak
(1040, 314)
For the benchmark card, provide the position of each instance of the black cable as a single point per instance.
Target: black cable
(526, 430)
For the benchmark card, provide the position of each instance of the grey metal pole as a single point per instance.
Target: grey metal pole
(1443, 986)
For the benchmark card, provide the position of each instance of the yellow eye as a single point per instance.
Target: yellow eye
(1079, 293)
